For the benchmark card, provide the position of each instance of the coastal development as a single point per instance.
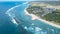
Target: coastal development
(45, 12)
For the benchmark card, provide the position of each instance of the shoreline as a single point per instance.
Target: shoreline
(35, 17)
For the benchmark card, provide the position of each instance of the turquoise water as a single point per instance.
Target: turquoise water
(31, 26)
(25, 25)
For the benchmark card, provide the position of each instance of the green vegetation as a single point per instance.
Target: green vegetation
(54, 16)
(32, 8)
(39, 11)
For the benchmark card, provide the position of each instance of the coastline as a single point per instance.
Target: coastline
(35, 17)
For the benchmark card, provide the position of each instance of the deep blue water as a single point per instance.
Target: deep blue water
(25, 26)
(6, 26)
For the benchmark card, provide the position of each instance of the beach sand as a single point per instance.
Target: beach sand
(44, 21)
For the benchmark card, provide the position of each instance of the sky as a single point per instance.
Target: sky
(29, 0)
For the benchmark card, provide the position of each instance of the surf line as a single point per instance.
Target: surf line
(13, 17)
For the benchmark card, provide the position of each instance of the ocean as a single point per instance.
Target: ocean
(25, 25)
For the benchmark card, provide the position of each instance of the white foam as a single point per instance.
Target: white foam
(25, 27)
(37, 29)
(14, 21)
(8, 12)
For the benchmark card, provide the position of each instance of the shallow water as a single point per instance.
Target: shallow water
(26, 25)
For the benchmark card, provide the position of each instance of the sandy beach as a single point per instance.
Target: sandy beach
(44, 21)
